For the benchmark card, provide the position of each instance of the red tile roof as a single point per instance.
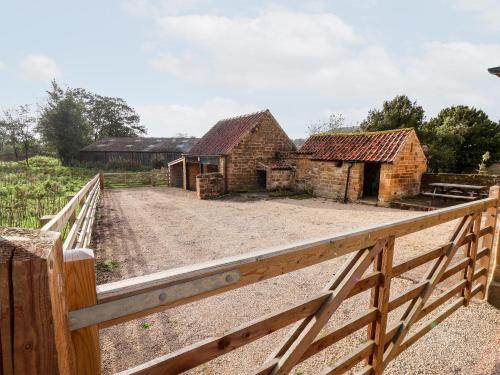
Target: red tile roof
(224, 135)
(376, 146)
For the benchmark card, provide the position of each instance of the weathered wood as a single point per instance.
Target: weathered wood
(34, 304)
(58, 222)
(261, 265)
(347, 362)
(341, 285)
(433, 277)
(81, 292)
(488, 242)
(45, 219)
(472, 255)
(380, 299)
(206, 350)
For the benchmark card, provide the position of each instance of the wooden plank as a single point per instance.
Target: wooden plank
(206, 350)
(433, 277)
(73, 232)
(341, 285)
(437, 195)
(39, 335)
(347, 362)
(81, 292)
(6, 309)
(491, 220)
(472, 255)
(261, 265)
(380, 298)
(58, 222)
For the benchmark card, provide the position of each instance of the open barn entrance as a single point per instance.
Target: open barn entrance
(371, 180)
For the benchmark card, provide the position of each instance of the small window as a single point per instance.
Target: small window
(338, 164)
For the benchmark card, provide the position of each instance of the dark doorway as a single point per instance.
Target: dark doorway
(261, 179)
(371, 179)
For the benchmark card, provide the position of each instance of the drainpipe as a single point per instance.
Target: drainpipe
(349, 166)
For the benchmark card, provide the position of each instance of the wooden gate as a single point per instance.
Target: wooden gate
(370, 266)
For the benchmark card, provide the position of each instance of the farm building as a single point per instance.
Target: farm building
(226, 158)
(380, 166)
(151, 152)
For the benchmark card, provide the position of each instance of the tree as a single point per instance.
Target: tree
(458, 137)
(334, 124)
(63, 125)
(109, 117)
(18, 130)
(397, 113)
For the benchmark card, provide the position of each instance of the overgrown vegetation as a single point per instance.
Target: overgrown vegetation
(41, 187)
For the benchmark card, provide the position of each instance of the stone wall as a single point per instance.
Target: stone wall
(464, 179)
(263, 142)
(403, 177)
(193, 171)
(280, 179)
(209, 185)
(327, 178)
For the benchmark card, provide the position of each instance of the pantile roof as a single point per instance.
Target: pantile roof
(225, 134)
(372, 147)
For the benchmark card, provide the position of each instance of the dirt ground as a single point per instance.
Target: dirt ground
(145, 230)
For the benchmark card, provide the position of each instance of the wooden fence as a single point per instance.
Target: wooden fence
(77, 216)
(136, 179)
(83, 309)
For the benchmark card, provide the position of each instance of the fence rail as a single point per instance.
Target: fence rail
(78, 214)
(84, 308)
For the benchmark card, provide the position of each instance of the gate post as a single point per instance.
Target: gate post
(81, 292)
(34, 330)
(494, 287)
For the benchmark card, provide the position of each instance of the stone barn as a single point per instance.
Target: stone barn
(231, 152)
(376, 166)
(147, 151)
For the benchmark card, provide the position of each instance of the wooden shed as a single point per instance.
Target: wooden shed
(151, 152)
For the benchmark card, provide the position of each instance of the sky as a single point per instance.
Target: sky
(183, 65)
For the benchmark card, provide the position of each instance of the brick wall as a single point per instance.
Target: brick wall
(403, 176)
(464, 179)
(209, 185)
(280, 179)
(175, 175)
(263, 142)
(193, 171)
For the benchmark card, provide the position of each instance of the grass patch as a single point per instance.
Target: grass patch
(146, 325)
(107, 265)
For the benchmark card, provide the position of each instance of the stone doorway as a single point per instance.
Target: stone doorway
(371, 180)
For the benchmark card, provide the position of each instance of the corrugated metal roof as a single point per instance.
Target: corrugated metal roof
(374, 146)
(225, 134)
(142, 144)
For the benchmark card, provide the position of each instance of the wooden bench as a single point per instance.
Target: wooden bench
(437, 195)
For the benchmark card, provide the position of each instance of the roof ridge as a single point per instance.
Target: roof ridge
(245, 115)
(364, 133)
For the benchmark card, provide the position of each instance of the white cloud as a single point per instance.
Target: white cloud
(39, 68)
(488, 11)
(168, 120)
(3, 66)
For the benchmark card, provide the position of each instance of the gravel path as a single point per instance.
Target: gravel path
(151, 229)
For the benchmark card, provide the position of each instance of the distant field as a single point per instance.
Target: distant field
(42, 188)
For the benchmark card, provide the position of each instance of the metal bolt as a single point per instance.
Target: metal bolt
(163, 297)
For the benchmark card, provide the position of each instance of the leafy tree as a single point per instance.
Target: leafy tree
(334, 124)
(17, 128)
(109, 117)
(397, 113)
(63, 125)
(458, 137)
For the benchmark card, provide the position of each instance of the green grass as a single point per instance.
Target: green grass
(107, 264)
(27, 192)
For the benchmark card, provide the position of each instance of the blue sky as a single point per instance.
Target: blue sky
(185, 64)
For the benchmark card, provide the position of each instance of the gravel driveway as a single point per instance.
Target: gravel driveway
(146, 230)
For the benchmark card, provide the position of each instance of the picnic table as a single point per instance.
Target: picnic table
(455, 191)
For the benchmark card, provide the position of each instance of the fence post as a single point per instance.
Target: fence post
(81, 292)
(101, 180)
(494, 287)
(380, 299)
(35, 337)
(45, 219)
